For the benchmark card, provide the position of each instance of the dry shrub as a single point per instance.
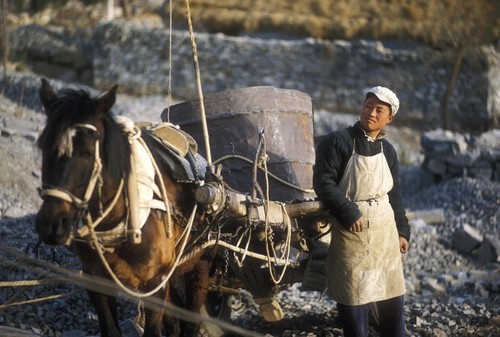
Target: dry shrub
(441, 23)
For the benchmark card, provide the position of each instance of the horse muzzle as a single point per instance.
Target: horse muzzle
(54, 222)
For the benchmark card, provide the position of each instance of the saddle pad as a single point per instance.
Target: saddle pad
(186, 169)
(173, 137)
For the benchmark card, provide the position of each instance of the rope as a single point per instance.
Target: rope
(40, 299)
(245, 251)
(107, 287)
(263, 159)
(200, 92)
(166, 278)
(234, 248)
(30, 283)
(169, 91)
(288, 249)
(92, 224)
(235, 156)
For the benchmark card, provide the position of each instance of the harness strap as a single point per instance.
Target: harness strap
(61, 194)
(144, 180)
(84, 231)
(153, 204)
(163, 190)
(133, 195)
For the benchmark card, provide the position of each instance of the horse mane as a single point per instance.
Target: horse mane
(74, 106)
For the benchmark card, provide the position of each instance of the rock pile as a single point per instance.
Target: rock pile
(450, 154)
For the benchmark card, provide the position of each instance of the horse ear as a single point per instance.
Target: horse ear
(47, 94)
(107, 99)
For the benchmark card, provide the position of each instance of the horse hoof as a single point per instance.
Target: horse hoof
(270, 309)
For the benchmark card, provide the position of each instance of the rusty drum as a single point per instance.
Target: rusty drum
(234, 118)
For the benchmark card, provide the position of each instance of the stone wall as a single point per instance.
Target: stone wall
(334, 73)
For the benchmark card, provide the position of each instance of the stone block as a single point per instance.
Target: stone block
(481, 169)
(434, 286)
(443, 142)
(466, 239)
(435, 166)
(489, 251)
(430, 216)
(467, 159)
(490, 139)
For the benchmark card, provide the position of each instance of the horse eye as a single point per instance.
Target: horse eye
(92, 134)
(85, 154)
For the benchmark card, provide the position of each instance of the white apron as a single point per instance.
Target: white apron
(366, 266)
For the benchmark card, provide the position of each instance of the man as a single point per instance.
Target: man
(356, 178)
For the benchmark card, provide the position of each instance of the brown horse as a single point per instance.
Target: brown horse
(86, 163)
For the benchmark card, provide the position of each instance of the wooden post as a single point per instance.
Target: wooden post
(109, 10)
(453, 78)
(126, 9)
(4, 39)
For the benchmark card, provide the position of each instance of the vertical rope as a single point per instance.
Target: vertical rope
(200, 92)
(169, 90)
(268, 241)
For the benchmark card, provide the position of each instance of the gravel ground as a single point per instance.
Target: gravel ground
(449, 293)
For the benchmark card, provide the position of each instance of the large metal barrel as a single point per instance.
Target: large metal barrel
(234, 118)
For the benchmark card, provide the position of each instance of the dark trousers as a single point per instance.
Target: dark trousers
(354, 318)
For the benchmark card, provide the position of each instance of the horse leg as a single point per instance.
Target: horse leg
(197, 282)
(107, 313)
(171, 323)
(154, 315)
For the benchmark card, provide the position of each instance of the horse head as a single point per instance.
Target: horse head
(77, 147)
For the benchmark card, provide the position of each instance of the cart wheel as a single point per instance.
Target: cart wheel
(217, 305)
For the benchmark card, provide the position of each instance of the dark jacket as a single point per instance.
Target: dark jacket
(332, 155)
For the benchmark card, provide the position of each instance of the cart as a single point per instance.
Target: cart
(273, 232)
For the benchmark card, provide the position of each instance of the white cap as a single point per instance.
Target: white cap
(385, 95)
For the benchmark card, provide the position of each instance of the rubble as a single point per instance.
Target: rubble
(452, 154)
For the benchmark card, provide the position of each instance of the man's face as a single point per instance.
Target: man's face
(375, 115)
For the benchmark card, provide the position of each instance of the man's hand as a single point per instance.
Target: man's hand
(403, 245)
(358, 225)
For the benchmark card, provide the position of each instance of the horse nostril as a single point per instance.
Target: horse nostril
(61, 225)
(52, 227)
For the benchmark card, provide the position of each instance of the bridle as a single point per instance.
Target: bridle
(82, 205)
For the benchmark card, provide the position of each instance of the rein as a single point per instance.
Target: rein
(179, 260)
